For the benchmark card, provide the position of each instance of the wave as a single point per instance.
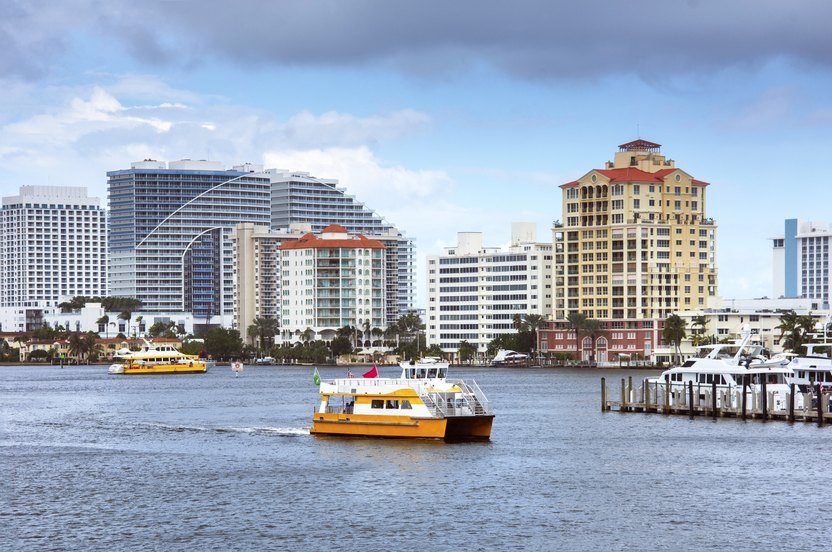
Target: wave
(281, 431)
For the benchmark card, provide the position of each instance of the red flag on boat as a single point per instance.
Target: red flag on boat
(371, 374)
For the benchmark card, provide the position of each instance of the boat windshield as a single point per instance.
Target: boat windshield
(423, 373)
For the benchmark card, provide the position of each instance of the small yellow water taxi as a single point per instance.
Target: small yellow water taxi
(422, 403)
(157, 359)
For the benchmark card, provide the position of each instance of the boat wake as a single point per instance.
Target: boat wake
(278, 431)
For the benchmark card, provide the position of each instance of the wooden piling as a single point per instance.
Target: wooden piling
(623, 396)
(744, 398)
(690, 398)
(603, 394)
(713, 399)
(646, 393)
(791, 403)
(820, 404)
(764, 400)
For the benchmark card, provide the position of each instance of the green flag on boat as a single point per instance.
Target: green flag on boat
(316, 378)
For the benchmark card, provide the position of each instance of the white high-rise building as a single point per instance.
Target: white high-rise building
(53, 246)
(475, 291)
(298, 197)
(801, 261)
(170, 230)
(329, 282)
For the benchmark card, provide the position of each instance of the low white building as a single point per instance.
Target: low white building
(730, 315)
(475, 291)
(86, 319)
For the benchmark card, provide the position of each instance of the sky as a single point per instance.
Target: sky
(443, 117)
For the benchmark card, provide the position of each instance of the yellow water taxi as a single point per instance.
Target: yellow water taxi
(157, 359)
(422, 403)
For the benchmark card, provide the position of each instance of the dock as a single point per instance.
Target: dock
(709, 401)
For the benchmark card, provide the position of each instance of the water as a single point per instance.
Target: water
(213, 462)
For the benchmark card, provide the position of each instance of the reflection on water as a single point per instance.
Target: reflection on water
(97, 462)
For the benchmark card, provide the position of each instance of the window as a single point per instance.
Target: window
(393, 404)
(377, 403)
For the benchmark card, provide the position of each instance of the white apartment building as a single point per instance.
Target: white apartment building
(475, 291)
(298, 197)
(53, 246)
(331, 281)
(801, 262)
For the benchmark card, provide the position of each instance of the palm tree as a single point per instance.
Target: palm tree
(125, 315)
(307, 335)
(139, 324)
(377, 333)
(254, 333)
(367, 332)
(89, 344)
(700, 322)
(517, 321)
(674, 332)
(76, 346)
(577, 320)
(591, 328)
(104, 321)
(535, 322)
(790, 327)
(391, 335)
(266, 329)
(466, 351)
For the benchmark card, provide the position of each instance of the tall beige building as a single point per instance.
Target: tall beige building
(636, 242)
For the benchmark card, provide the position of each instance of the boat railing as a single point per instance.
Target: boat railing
(476, 400)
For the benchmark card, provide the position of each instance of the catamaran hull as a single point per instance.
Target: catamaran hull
(163, 369)
(455, 428)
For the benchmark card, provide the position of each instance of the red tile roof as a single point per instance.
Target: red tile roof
(310, 241)
(632, 174)
(335, 229)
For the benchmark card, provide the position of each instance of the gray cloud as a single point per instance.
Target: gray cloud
(529, 39)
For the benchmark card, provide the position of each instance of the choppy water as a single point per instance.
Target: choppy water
(212, 462)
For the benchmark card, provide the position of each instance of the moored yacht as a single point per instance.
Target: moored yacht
(814, 367)
(421, 403)
(731, 368)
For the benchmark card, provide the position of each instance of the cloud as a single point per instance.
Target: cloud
(366, 177)
(529, 39)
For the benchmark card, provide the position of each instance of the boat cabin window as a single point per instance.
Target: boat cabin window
(712, 378)
(409, 373)
(676, 377)
(421, 372)
(431, 373)
(377, 403)
(443, 372)
(393, 404)
(406, 405)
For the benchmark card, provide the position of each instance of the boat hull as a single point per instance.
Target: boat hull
(196, 368)
(456, 428)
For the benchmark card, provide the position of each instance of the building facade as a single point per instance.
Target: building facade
(298, 197)
(801, 262)
(329, 282)
(53, 246)
(257, 272)
(170, 229)
(475, 291)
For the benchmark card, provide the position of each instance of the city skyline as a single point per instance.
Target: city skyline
(442, 119)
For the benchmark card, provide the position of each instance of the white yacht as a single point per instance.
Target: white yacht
(730, 367)
(507, 357)
(813, 367)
